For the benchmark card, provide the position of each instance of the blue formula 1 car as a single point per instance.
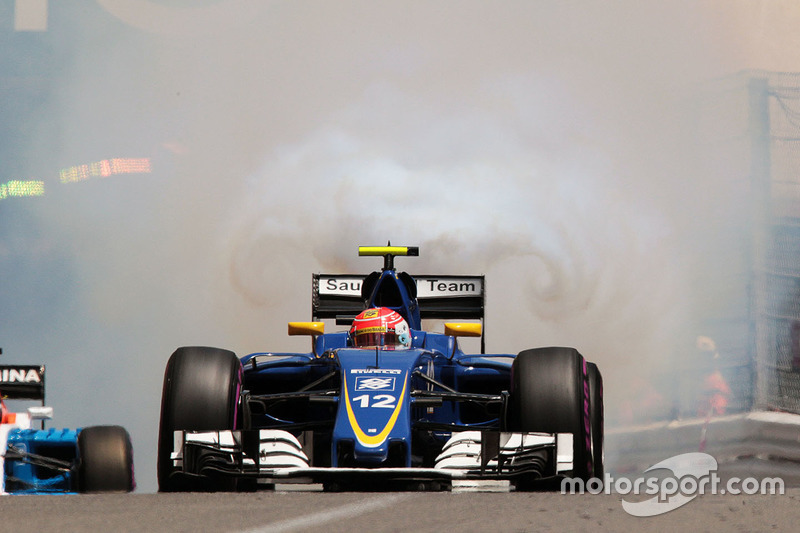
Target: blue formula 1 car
(381, 404)
(48, 461)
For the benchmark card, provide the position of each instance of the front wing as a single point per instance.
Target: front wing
(37, 461)
(267, 457)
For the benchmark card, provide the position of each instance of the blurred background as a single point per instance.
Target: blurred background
(624, 173)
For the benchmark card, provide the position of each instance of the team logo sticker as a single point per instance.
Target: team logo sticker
(373, 383)
(373, 406)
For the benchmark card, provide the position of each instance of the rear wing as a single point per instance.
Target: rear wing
(338, 296)
(22, 382)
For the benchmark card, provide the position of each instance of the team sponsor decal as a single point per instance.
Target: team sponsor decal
(363, 401)
(370, 313)
(375, 329)
(364, 383)
(433, 287)
(20, 375)
(376, 371)
(340, 285)
(427, 286)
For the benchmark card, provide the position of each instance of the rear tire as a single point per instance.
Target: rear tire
(105, 460)
(550, 394)
(597, 418)
(201, 393)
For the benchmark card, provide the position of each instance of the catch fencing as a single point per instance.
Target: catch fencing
(756, 143)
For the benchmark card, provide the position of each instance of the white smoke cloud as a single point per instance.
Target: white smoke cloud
(541, 143)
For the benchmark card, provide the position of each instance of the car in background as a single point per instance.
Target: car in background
(39, 460)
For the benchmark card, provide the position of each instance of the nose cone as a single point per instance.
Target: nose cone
(374, 409)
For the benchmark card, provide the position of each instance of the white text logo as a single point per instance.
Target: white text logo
(693, 474)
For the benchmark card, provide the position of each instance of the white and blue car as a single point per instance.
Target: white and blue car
(36, 460)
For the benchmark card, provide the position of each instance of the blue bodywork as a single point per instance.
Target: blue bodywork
(379, 408)
(40, 461)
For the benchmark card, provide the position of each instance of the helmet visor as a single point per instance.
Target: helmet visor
(388, 340)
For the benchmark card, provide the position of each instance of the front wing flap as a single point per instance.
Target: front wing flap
(276, 456)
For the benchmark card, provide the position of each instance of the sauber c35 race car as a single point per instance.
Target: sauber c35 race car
(46, 461)
(381, 404)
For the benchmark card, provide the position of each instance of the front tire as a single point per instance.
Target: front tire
(597, 418)
(105, 460)
(201, 393)
(550, 394)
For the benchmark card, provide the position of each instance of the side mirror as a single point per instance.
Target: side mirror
(463, 329)
(306, 328)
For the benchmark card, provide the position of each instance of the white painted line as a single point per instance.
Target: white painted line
(337, 513)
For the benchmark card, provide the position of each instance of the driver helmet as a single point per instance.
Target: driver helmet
(380, 327)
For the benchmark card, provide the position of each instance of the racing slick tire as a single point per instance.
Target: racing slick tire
(550, 394)
(105, 460)
(596, 416)
(201, 393)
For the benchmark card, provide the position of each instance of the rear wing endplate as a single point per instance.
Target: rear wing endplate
(22, 382)
(338, 296)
